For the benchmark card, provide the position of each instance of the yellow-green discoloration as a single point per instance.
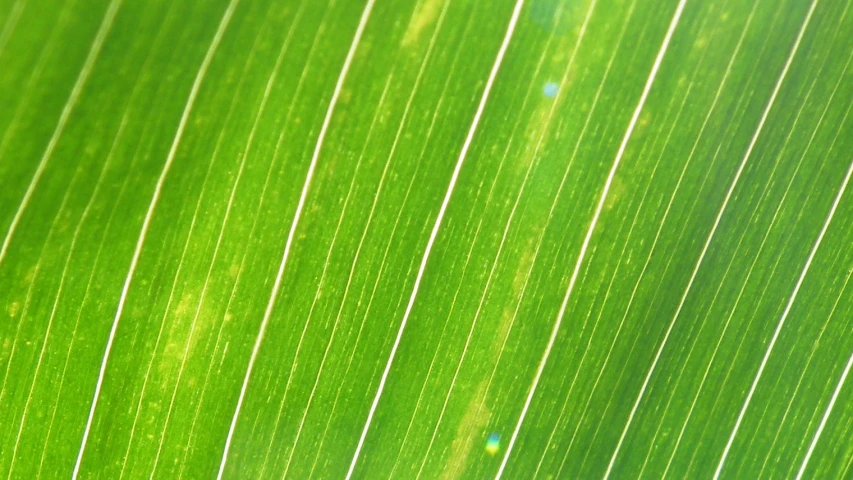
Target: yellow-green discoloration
(617, 191)
(425, 15)
(13, 309)
(475, 419)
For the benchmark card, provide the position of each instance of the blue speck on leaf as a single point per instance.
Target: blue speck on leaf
(551, 89)
(493, 444)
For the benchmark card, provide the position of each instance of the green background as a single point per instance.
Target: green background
(731, 170)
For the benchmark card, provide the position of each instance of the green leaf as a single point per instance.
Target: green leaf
(431, 239)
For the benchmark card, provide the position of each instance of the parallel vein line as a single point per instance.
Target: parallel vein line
(292, 233)
(572, 158)
(806, 102)
(63, 275)
(782, 323)
(465, 264)
(25, 93)
(616, 275)
(467, 144)
(816, 344)
(705, 247)
(711, 110)
(826, 413)
(811, 255)
(211, 166)
(11, 24)
(257, 216)
(92, 56)
(227, 215)
(599, 208)
(295, 443)
(400, 128)
(472, 245)
(509, 223)
(223, 24)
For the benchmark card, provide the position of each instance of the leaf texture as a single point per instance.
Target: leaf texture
(427, 239)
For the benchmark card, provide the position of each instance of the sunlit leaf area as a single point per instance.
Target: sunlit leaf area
(426, 239)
